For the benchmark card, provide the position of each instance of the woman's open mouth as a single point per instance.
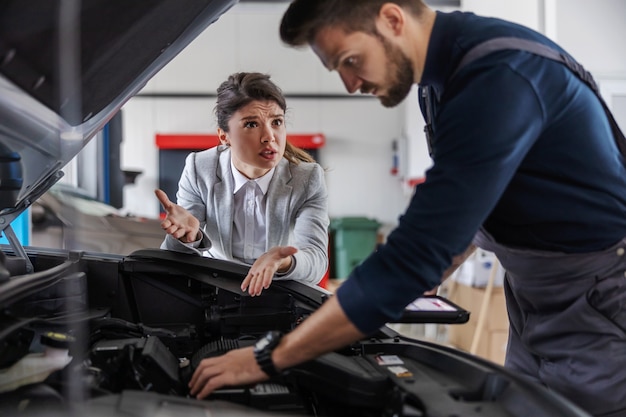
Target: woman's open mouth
(268, 154)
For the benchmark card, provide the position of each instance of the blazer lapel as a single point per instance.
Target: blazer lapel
(223, 202)
(278, 199)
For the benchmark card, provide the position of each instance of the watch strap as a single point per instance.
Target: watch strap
(265, 362)
(263, 352)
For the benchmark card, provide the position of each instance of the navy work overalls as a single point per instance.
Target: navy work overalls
(567, 312)
(567, 315)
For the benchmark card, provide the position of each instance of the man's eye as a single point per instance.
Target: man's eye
(351, 62)
(249, 124)
(278, 122)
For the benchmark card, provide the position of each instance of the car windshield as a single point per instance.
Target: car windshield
(82, 202)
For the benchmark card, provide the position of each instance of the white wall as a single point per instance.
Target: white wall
(594, 32)
(526, 12)
(359, 131)
(357, 154)
(245, 38)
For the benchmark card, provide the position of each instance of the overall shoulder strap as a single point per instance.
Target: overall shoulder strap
(497, 44)
(427, 105)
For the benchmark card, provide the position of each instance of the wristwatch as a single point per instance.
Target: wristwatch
(263, 349)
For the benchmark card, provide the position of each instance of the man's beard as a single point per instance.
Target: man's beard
(400, 71)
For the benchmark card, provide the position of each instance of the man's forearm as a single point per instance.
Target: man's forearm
(329, 329)
(324, 331)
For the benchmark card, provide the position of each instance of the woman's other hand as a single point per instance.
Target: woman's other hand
(277, 259)
(178, 221)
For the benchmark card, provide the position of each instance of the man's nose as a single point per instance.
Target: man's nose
(350, 81)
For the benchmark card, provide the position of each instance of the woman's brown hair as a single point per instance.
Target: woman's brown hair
(242, 88)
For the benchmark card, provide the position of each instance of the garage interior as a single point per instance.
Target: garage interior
(373, 156)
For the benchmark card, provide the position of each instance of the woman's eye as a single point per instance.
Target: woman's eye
(278, 122)
(249, 124)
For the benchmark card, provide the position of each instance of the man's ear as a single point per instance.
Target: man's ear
(391, 19)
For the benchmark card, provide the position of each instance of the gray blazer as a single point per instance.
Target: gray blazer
(297, 213)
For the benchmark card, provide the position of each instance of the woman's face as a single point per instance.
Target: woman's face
(256, 137)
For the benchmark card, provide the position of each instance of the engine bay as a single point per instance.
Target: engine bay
(121, 336)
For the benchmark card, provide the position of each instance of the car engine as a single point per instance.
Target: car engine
(106, 335)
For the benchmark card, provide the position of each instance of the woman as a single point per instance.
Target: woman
(254, 198)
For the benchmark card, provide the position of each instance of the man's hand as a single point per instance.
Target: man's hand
(328, 328)
(178, 222)
(237, 367)
(457, 261)
(262, 271)
(433, 291)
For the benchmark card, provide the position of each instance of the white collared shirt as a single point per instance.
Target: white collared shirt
(249, 227)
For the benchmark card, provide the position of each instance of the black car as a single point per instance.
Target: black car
(88, 334)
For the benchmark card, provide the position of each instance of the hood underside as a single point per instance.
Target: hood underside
(67, 67)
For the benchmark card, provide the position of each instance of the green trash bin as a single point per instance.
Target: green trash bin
(353, 240)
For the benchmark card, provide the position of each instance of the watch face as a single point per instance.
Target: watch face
(262, 343)
(270, 340)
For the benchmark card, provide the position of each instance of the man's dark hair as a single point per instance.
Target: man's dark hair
(305, 18)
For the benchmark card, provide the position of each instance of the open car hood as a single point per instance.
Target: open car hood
(67, 67)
